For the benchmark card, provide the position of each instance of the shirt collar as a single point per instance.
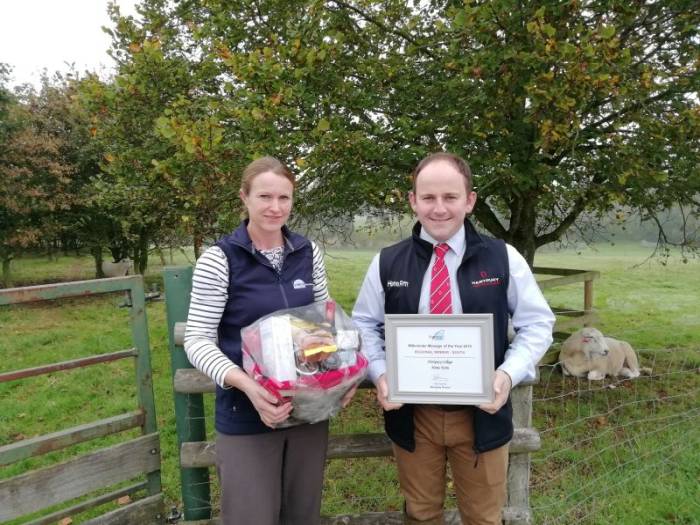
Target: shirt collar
(457, 243)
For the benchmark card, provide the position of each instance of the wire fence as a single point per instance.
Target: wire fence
(600, 437)
(603, 442)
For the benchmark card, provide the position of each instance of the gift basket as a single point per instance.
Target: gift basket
(309, 355)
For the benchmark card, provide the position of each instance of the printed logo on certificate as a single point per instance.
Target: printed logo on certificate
(440, 359)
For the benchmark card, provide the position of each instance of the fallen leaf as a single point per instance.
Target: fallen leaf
(601, 421)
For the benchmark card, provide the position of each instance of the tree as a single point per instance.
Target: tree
(86, 223)
(563, 110)
(34, 177)
(165, 169)
(122, 116)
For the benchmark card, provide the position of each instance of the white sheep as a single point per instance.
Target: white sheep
(587, 353)
(117, 269)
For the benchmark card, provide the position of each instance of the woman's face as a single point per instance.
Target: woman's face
(268, 202)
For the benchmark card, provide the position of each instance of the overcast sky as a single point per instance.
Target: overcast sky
(38, 34)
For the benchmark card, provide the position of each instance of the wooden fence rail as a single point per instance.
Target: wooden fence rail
(573, 317)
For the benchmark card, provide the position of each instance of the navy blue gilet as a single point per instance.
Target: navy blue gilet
(256, 289)
(482, 278)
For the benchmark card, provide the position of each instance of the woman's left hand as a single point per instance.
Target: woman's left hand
(348, 395)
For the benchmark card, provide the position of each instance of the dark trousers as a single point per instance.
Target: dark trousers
(274, 478)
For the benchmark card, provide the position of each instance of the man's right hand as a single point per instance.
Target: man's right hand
(383, 393)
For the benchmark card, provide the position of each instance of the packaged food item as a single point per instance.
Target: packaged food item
(309, 355)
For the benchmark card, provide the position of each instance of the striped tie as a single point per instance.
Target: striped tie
(440, 294)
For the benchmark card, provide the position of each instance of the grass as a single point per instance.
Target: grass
(48, 332)
(610, 455)
(625, 451)
(603, 440)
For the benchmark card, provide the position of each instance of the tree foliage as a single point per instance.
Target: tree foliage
(35, 176)
(86, 223)
(167, 164)
(563, 109)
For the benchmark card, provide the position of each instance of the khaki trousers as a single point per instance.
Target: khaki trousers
(479, 479)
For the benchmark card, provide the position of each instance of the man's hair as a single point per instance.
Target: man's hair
(263, 165)
(457, 162)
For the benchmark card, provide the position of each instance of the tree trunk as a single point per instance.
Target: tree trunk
(521, 233)
(160, 253)
(141, 253)
(198, 242)
(67, 243)
(526, 245)
(6, 271)
(96, 252)
(51, 250)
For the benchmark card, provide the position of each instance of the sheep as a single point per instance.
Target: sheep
(117, 269)
(587, 353)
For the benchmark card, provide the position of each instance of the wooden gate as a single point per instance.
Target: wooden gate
(99, 470)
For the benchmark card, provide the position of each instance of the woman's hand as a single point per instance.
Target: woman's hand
(347, 397)
(271, 412)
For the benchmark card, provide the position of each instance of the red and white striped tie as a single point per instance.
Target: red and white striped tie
(440, 294)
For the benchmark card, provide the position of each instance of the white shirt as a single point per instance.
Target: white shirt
(531, 316)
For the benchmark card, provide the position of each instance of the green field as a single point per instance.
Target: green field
(616, 452)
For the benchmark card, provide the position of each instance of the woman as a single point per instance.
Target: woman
(267, 476)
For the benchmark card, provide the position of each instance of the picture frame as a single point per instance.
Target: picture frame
(439, 359)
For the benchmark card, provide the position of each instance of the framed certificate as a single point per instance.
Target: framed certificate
(439, 359)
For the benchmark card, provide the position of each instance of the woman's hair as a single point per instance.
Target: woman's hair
(263, 165)
(458, 162)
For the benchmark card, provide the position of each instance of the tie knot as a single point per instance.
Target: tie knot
(441, 249)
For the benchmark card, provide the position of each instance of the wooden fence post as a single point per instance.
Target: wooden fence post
(189, 407)
(519, 464)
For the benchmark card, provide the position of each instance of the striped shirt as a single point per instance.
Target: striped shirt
(209, 295)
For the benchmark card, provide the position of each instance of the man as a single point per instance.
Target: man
(447, 267)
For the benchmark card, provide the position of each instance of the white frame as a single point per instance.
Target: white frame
(431, 324)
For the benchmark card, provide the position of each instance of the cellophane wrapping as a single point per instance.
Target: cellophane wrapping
(309, 355)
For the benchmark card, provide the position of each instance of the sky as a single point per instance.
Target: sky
(38, 34)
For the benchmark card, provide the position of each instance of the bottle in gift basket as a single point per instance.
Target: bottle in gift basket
(347, 341)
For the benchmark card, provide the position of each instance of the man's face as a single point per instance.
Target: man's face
(440, 200)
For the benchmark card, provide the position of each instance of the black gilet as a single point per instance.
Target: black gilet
(482, 278)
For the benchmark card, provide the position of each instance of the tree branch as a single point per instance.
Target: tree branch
(623, 111)
(486, 216)
(384, 27)
(557, 232)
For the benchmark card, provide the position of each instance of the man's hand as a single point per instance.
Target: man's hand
(271, 413)
(383, 393)
(501, 387)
